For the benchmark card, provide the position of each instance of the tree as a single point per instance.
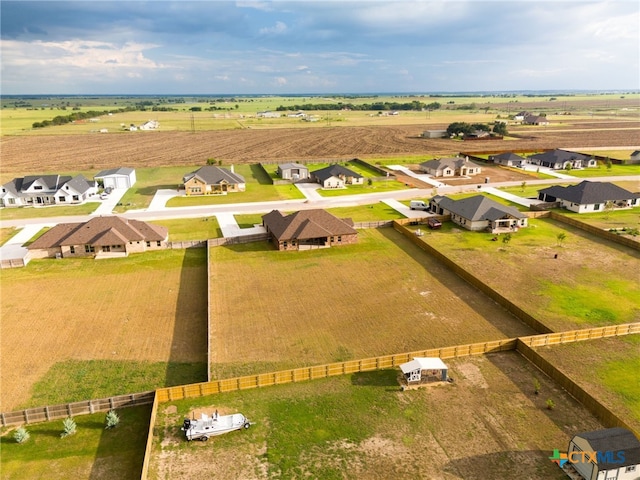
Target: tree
(561, 238)
(523, 185)
(506, 238)
(457, 128)
(500, 128)
(21, 435)
(112, 419)
(70, 427)
(211, 161)
(483, 127)
(609, 206)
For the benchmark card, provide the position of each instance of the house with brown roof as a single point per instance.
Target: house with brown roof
(100, 236)
(211, 180)
(450, 167)
(308, 229)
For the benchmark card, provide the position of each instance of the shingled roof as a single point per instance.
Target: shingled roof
(306, 224)
(588, 193)
(614, 439)
(212, 175)
(477, 208)
(100, 231)
(335, 171)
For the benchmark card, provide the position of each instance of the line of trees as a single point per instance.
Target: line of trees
(64, 119)
(376, 106)
(457, 128)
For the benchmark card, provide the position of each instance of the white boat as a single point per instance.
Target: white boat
(209, 426)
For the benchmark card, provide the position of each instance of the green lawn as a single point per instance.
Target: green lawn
(91, 453)
(183, 229)
(6, 234)
(46, 212)
(375, 187)
(602, 171)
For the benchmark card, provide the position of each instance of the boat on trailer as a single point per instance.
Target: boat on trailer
(209, 426)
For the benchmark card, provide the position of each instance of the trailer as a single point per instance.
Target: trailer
(210, 426)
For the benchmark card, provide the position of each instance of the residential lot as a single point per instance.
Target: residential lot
(132, 312)
(487, 424)
(275, 310)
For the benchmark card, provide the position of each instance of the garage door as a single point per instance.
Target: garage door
(122, 182)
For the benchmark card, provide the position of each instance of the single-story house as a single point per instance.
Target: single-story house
(450, 167)
(39, 190)
(589, 196)
(508, 159)
(117, 178)
(535, 120)
(611, 453)
(298, 114)
(210, 180)
(308, 229)
(479, 213)
(336, 176)
(560, 159)
(268, 114)
(634, 157)
(97, 236)
(520, 116)
(422, 370)
(149, 125)
(293, 171)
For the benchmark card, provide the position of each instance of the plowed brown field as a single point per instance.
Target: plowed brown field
(27, 154)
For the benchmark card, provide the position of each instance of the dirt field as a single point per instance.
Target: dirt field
(115, 309)
(28, 154)
(480, 427)
(378, 297)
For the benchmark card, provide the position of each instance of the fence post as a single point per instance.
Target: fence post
(46, 412)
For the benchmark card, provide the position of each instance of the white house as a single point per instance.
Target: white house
(150, 125)
(117, 178)
(587, 196)
(46, 190)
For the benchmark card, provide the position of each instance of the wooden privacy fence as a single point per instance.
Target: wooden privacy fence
(597, 231)
(147, 450)
(188, 244)
(256, 237)
(323, 371)
(54, 412)
(13, 263)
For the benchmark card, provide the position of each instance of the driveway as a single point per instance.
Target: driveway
(161, 198)
(423, 177)
(109, 204)
(230, 227)
(13, 249)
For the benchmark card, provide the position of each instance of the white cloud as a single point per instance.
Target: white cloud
(279, 29)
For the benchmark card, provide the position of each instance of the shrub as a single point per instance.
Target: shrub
(112, 419)
(550, 404)
(536, 386)
(70, 426)
(21, 435)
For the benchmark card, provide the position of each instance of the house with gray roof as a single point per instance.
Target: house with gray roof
(611, 453)
(41, 190)
(293, 171)
(308, 229)
(117, 178)
(508, 159)
(100, 236)
(587, 196)
(634, 157)
(479, 213)
(336, 176)
(561, 159)
(450, 167)
(211, 180)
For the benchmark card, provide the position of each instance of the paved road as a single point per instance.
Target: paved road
(157, 210)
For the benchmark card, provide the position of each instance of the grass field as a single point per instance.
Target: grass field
(132, 314)
(587, 285)
(362, 426)
(91, 453)
(606, 368)
(276, 310)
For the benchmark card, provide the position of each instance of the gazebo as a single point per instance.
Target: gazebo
(423, 370)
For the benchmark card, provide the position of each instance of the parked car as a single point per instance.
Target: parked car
(418, 205)
(434, 223)
(108, 190)
(104, 196)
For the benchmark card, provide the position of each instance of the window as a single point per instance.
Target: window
(72, 249)
(37, 187)
(159, 243)
(148, 244)
(76, 198)
(61, 199)
(630, 468)
(89, 248)
(12, 201)
(106, 248)
(596, 206)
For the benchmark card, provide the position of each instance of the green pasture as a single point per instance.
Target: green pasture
(92, 452)
(240, 112)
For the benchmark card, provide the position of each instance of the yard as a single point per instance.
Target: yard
(590, 283)
(276, 310)
(362, 426)
(101, 327)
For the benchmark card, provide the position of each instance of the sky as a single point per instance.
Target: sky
(329, 46)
